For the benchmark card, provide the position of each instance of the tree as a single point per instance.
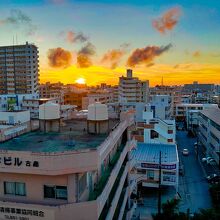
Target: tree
(207, 214)
(170, 211)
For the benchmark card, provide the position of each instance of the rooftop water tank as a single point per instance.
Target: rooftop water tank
(49, 111)
(97, 112)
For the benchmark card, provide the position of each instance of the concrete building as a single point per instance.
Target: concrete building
(209, 132)
(146, 171)
(68, 174)
(198, 87)
(32, 105)
(52, 90)
(115, 109)
(157, 130)
(175, 92)
(161, 106)
(13, 124)
(13, 102)
(103, 97)
(182, 109)
(131, 89)
(19, 69)
(74, 98)
(154, 130)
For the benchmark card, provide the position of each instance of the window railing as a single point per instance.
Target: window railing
(105, 176)
(111, 195)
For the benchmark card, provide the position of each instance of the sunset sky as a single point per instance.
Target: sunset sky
(97, 40)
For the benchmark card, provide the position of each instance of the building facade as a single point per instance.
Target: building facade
(131, 89)
(63, 178)
(147, 168)
(161, 106)
(19, 69)
(209, 132)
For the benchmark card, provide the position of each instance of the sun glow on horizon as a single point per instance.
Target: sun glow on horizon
(81, 81)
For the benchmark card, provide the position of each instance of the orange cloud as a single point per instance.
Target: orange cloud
(196, 54)
(83, 61)
(72, 37)
(167, 21)
(84, 56)
(113, 57)
(146, 55)
(59, 58)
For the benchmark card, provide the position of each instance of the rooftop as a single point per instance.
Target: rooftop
(197, 105)
(73, 136)
(213, 114)
(151, 153)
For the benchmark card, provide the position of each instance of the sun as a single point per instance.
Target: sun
(81, 81)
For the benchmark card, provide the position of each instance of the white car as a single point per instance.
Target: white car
(206, 159)
(185, 152)
(211, 161)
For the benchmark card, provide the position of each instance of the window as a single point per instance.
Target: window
(82, 183)
(141, 171)
(150, 174)
(15, 188)
(170, 131)
(169, 140)
(55, 192)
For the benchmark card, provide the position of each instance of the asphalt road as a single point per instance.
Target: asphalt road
(193, 187)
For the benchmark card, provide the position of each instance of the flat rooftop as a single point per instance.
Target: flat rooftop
(151, 152)
(213, 114)
(73, 136)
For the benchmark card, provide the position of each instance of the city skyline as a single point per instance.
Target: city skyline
(177, 41)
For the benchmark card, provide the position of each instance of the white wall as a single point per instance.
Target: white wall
(15, 117)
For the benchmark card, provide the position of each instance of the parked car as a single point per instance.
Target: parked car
(211, 161)
(213, 178)
(195, 144)
(185, 152)
(205, 159)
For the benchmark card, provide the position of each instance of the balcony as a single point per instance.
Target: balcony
(118, 195)
(105, 176)
(109, 207)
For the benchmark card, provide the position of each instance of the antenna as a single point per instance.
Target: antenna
(13, 40)
(162, 81)
(16, 40)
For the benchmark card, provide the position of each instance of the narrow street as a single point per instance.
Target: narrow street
(193, 186)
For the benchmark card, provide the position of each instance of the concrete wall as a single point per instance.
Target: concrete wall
(15, 117)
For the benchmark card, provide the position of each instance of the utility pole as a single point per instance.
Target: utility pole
(159, 188)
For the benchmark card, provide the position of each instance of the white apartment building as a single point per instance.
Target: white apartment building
(131, 89)
(19, 69)
(154, 130)
(182, 109)
(157, 130)
(209, 132)
(68, 174)
(175, 92)
(161, 106)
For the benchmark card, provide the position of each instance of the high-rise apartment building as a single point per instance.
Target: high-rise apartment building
(19, 69)
(131, 89)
